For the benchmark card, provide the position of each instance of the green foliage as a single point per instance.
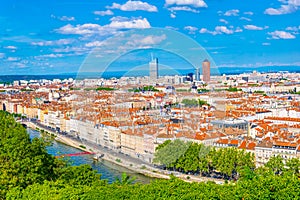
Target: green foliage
(26, 90)
(105, 89)
(275, 164)
(202, 102)
(258, 92)
(72, 88)
(230, 161)
(260, 187)
(100, 89)
(182, 90)
(233, 89)
(163, 145)
(143, 167)
(190, 102)
(22, 161)
(192, 157)
(146, 88)
(78, 176)
(89, 89)
(203, 90)
(25, 162)
(16, 115)
(169, 154)
(125, 179)
(194, 102)
(294, 166)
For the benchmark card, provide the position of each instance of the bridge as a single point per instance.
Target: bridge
(75, 154)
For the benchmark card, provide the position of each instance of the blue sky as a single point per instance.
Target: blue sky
(48, 37)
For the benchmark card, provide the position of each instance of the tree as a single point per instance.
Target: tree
(293, 166)
(190, 102)
(160, 146)
(275, 164)
(202, 102)
(125, 179)
(22, 161)
(79, 175)
(169, 154)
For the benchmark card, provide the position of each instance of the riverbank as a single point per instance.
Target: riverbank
(121, 159)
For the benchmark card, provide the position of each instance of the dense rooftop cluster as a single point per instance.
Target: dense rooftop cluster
(256, 112)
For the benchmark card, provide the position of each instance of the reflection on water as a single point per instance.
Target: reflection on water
(107, 170)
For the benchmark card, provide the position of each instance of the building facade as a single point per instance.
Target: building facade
(153, 69)
(206, 70)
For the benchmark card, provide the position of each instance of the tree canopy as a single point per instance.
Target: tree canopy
(192, 157)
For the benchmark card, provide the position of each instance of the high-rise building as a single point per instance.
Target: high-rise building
(197, 74)
(206, 70)
(153, 69)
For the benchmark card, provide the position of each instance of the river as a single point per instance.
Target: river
(107, 170)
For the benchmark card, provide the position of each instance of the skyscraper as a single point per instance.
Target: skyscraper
(197, 74)
(206, 70)
(153, 69)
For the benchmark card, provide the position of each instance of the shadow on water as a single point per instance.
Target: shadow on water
(107, 169)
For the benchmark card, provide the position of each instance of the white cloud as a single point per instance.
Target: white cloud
(128, 24)
(253, 27)
(53, 55)
(266, 44)
(11, 47)
(248, 13)
(68, 49)
(259, 64)
(220, 12)
(191, 29)
(194, 3)
(53, 43)
(141, 41)
(133, 6)
(293, 28)
(223, 21)
(221, 30)
(246, 19)
(183, 8)
(79, 29)
(238, 30)
(151, 39)
(66, 18)
(63, 18)
(13, 59)
(281, 35)
(233, 12)
(94, 44)
(284, 9)
(171, 28)
(103, 13)
(172, 15)
(115, 24)
(287, 7)
(204, 30)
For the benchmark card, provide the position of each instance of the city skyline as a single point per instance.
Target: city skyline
(55, 37)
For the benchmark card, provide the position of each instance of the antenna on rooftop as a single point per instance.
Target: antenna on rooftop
(151, 56)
